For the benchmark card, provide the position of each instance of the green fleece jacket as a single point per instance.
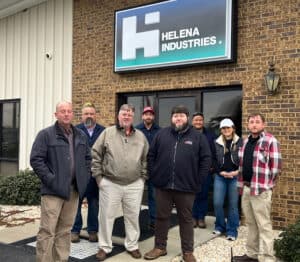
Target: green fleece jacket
(120, 158)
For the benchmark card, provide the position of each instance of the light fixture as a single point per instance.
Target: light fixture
(272, 79)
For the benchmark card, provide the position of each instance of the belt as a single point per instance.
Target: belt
(247, 184)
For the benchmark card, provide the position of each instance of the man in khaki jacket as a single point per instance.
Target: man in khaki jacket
(120, 167)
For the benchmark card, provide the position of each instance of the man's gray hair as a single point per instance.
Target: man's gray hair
(127, 107)
(61, 103)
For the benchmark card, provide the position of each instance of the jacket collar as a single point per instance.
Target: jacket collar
(154, 126)
(120, 128)
(182, 132)
(60, 132)
(220, 140)
(261, 135)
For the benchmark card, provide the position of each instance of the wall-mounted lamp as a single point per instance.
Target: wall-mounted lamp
(272, 79)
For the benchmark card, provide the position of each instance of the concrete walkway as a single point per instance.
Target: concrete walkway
(14, 234)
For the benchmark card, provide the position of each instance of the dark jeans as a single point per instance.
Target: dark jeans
(164, 204)
(92, 195)
(151, 203)
(200, 206)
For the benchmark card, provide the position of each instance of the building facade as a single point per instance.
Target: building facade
(35, 73)
(266, 31)
(53, 50)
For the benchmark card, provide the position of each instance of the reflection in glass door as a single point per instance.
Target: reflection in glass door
(166, 104)
(216, 104)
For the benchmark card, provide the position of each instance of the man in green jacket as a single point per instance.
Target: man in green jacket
(120, 167)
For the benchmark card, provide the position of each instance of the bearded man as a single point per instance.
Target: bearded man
(178, 162)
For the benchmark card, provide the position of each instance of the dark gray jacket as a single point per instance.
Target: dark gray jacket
(50, 160)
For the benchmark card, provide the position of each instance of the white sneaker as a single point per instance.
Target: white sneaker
(231, 238)
(217, 232)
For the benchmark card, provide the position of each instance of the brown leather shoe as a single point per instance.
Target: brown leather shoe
(101, 255)
(195, 223)
(93, 237)
(75, 237)
(155, 253)
(188, 257)
(201, 223)
(135, 253)
(244, 258)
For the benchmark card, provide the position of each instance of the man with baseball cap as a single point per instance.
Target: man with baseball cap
(179, 159)
(149, 129)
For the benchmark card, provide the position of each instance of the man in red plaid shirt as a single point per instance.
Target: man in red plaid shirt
(260, 165)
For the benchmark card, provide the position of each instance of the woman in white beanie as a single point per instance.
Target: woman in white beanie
(227, 147)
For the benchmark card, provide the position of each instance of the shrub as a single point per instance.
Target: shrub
(20, 189)
(287, 247)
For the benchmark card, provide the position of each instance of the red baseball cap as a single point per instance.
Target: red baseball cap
(148, 109)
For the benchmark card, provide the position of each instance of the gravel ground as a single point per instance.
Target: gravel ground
(215, 250)
(219, 248)
(11, 216)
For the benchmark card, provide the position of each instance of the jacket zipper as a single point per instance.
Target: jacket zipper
(174, 157)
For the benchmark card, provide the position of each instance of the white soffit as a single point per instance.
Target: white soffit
(10, 7)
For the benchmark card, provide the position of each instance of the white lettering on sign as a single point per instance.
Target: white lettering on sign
(182, 33)
(190, 43)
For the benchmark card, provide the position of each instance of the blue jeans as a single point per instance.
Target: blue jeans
(222, 187)
(151, 203)
(92, 195)
(200, 206)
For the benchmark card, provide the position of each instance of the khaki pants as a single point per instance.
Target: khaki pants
(111, 197)
(257, 211)
(54, 236)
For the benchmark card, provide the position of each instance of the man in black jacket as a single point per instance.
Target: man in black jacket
(178, 161)
(61, 158)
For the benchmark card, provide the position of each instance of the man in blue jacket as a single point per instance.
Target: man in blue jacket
(92, 130)
(61, 158)
(200, 207)
(178, 162)
(149, 129)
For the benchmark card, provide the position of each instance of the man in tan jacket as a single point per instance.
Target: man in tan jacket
(120, 167)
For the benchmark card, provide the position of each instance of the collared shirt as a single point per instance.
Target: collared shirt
(266, 164)
(91, 131)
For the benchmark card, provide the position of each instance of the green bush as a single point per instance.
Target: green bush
(20, 189)
(287, 247)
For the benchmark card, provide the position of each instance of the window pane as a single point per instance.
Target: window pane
(8, 119)
(139, 103)
(9, 134)
(166, 105)
(222, 104)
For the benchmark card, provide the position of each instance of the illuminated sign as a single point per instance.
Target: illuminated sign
(173, 33)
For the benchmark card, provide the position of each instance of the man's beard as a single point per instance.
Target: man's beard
(181, 127)
(89, 122)
(149, 121)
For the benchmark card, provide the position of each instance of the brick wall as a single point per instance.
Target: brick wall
(266, 30)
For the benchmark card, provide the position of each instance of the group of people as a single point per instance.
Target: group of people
(110, 166)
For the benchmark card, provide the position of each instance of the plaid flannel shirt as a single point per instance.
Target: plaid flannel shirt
(266, 164)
